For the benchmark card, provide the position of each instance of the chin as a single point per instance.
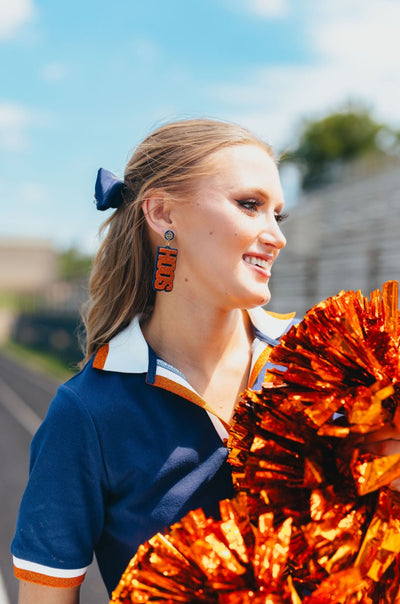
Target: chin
(264, 301)
(258, 300)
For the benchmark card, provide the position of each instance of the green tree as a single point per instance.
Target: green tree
(74, 265)
(340, 137)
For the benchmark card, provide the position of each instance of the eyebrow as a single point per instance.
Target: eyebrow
(259, 192)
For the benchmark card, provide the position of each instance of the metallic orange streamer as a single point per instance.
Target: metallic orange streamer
(314, 519)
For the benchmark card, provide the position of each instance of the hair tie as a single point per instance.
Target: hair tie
(108, 190)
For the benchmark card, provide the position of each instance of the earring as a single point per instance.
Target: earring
(164, 270)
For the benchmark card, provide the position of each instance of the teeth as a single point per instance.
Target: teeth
(257, 262)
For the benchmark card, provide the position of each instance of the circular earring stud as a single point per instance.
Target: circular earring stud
(169, 235)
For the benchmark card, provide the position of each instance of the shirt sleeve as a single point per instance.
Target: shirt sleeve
(62, 510)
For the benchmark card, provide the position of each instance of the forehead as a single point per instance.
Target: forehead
(246, 166)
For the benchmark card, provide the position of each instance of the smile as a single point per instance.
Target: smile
(256, 261)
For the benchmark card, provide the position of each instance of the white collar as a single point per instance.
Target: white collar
(272, 325)
(128, 351)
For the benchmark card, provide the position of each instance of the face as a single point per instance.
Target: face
(228, 233)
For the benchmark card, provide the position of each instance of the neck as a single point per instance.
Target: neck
(210, 346)
(180, 330)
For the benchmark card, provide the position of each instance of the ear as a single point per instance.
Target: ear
(157, 207)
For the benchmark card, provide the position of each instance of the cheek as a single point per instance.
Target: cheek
(219, 230)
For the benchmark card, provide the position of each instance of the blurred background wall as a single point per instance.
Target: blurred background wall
(41, 293)
(345, 235)
(26, 264)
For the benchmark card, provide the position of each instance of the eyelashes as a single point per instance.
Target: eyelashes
(252, 205)
(281, 217)
(249, 204)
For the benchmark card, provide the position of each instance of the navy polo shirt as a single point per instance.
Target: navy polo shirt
(126, 449)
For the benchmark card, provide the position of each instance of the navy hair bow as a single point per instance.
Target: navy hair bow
(108, 190)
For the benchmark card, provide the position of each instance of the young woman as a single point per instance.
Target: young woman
(175, 332)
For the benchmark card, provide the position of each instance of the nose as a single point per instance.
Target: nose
(272, 235)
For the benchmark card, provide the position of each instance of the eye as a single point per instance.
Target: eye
(280, 217)
(249, 204)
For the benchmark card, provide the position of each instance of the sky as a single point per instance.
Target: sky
(84, 81)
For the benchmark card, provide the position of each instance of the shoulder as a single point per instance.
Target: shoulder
(92, 400)
(92, 386)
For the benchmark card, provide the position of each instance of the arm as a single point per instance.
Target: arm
(32, 593)
(53, 542)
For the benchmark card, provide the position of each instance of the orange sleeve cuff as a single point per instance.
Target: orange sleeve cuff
(32, 577)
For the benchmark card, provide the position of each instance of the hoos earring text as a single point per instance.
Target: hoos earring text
(164, 270)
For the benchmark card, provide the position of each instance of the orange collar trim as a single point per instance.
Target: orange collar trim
(186, 393)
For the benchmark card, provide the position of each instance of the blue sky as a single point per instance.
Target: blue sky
(82, 82)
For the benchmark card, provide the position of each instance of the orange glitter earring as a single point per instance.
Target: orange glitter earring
(164, 270)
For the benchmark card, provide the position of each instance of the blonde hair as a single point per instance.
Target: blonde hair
(170, 158)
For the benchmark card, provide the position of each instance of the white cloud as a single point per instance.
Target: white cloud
(23, 217)
(268, 9)
(364, 34)
(32, 193)
(25, 194)
(54, 72)
(14, 121)
(146, 50)
(13, 15)
(356, 49)
(282, 94)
